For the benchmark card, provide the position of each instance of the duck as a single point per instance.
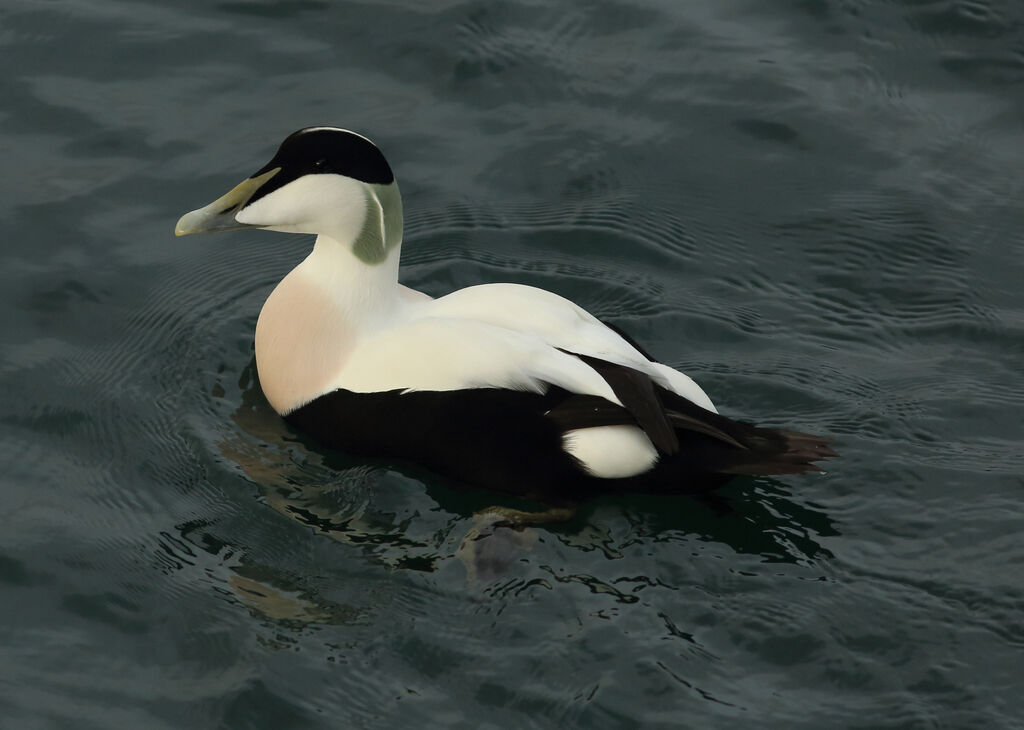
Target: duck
(501, 386)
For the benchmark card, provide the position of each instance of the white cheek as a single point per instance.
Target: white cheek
(329, 204)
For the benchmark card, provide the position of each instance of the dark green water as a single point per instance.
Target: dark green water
(813, 208)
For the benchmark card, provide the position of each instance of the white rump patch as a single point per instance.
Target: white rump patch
(611, 452)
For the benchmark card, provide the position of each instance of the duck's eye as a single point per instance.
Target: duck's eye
(320, 164)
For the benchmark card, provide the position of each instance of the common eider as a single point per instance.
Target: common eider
(504, 386)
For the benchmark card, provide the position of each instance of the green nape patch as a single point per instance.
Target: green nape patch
(382, 228)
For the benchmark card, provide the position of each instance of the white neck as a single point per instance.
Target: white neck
(364, 292)
(313, 318)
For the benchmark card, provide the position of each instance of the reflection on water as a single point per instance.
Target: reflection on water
(268, 593)
(421, 524)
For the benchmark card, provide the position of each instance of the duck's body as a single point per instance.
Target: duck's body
(500, 385)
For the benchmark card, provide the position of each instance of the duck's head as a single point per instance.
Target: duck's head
(322, 180)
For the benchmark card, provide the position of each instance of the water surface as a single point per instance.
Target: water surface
(813, 208)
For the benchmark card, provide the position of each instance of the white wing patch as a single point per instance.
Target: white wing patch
(434, 353)
(611, 452)
(562, 324)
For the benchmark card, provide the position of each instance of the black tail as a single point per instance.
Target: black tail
(753, 450)
(701, 439)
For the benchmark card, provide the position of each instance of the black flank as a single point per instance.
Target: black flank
(512, 440)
